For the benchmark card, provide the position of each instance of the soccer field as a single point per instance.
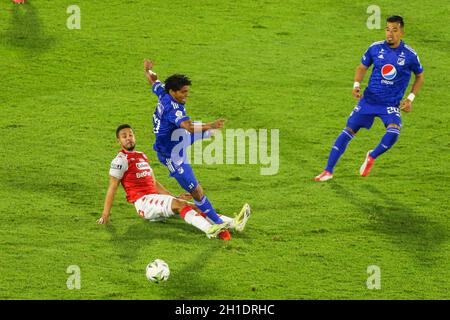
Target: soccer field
(285, 65)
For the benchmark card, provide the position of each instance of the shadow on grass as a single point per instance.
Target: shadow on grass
(193, 282)
(144, 233)
(406, 228)
(25, 30)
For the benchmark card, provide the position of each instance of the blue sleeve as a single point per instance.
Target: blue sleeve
(177, 115)
(367, 58)
(158, 89)
(416, 66)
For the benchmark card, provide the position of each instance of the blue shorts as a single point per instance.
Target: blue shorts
(181, 171)
(363, 115)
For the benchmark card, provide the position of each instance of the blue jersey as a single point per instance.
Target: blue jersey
(168, 116)
(391, 72)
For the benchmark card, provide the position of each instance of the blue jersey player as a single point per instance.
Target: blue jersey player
(169, 120)
(393, 62)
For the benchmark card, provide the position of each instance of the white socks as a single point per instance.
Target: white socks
(194, 218)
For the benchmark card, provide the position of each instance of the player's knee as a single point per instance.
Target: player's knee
(351, 131)
(197, 193)
(393, 125)
(177, 205)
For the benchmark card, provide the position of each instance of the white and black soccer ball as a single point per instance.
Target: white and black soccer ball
(157, 271)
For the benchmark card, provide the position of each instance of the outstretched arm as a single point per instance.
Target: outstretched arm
(197, 127)
(406, 105)
(359, 77)
(109, 199)
(151, 76)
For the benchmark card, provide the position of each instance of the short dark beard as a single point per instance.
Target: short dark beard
(130, 148)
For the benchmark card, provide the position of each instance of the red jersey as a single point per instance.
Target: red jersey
(135, 173)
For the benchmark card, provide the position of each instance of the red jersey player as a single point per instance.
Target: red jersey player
(151, 200)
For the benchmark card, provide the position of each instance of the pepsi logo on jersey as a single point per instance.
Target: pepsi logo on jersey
(388, 72)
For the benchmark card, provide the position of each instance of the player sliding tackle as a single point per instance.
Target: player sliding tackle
(151, 200)
(170, 116)
(393, 61)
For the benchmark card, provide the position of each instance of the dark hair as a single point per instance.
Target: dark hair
(176, 81)
(122, 126)
(396, 19)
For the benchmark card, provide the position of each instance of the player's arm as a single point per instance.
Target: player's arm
(359, 77)
(192, 127)
(109, 199)
(151, 76)
(406, 105)
(418, 82)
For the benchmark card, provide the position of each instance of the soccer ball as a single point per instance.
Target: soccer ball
(157, 271)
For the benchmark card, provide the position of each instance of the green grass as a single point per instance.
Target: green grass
(260, 64)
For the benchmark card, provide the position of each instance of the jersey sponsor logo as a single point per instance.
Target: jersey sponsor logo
(143, 174)
(174, 104)
(142, 165)
(388, 72)
(116, 166)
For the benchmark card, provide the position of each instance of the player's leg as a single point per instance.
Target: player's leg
(153, 207)
(393, 125)
(203, 203)
(190, 215)
(156, 207)
(185, 177)
(339, 146)
(224, 235)
(238, 222)
(197, 219)
(355, 121)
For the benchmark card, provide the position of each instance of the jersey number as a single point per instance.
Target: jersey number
(393, 110)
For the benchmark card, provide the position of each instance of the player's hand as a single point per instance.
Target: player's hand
(185, 196)
(217, 124)
(103, 220)
(148, 65)
(356, 93)
(406, 105)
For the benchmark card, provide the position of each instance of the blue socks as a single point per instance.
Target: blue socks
(388, 140)
(338, 149)
(208, 209)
